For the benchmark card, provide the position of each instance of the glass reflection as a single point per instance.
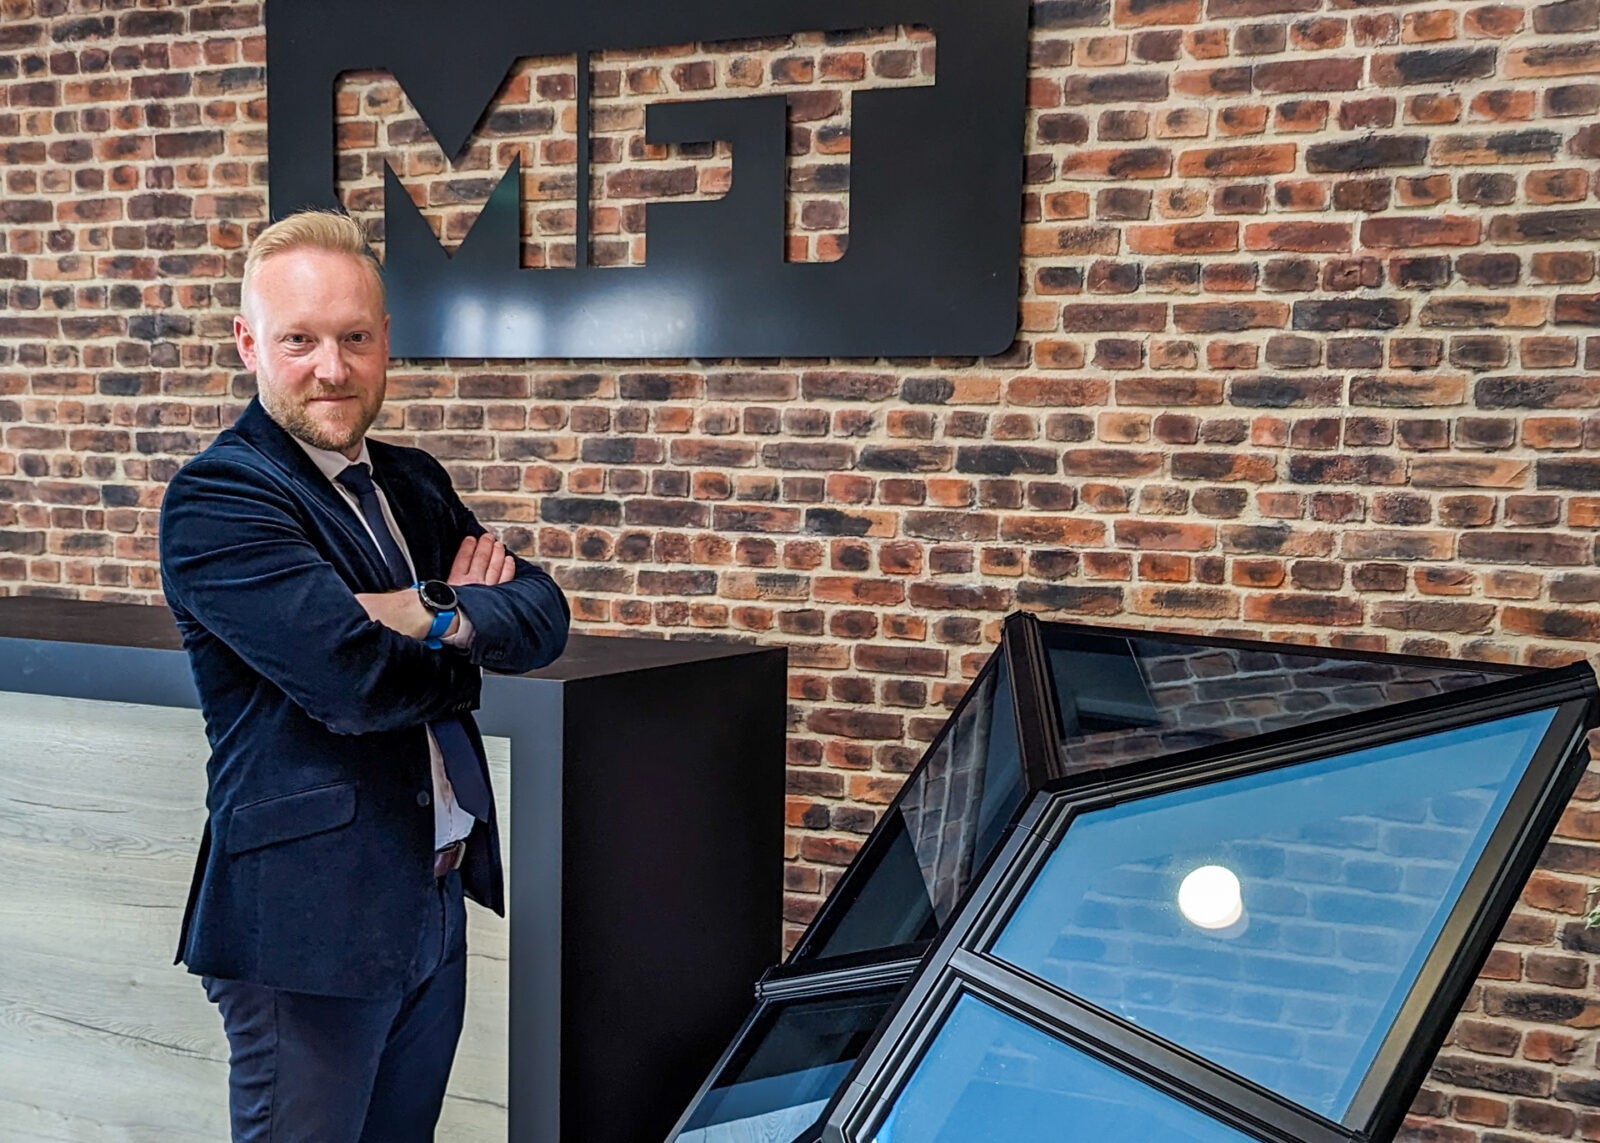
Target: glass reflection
(1122, 699)
(951, 816)
(987, 1076)
(1348, 867)
(786, 1069)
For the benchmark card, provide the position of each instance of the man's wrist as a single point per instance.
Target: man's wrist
(438, 598)
(418, 618)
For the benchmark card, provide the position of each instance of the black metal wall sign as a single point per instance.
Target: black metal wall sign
(935, 183)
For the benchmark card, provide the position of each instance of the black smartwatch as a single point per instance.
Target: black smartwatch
(439, 598)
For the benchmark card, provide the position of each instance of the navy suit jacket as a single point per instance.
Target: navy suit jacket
(315, 867)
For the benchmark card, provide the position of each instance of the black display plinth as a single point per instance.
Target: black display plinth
(645, 825)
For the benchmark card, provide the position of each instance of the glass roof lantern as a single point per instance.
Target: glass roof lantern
(1159, 886)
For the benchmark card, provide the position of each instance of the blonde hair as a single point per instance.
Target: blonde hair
(317, 229)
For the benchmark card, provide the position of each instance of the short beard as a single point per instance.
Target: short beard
(297, 423)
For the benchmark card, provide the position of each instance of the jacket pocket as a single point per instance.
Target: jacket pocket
(290, 816)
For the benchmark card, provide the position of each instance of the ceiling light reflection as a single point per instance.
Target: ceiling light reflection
(1211, 898)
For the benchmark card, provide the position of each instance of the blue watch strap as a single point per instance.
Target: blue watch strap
(441, 624)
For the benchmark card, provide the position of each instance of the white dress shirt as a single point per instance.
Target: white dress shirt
(450, 822)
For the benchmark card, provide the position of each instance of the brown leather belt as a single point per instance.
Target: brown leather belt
(449, 858)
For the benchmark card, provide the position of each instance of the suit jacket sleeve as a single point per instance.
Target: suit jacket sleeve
(235, 557)
(519, 625)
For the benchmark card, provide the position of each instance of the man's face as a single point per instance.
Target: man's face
(315, 333)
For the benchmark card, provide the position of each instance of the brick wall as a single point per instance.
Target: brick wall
(1310, 350)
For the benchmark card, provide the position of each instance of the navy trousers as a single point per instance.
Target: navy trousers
(328, 1069)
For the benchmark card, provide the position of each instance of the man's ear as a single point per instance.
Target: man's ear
(245, 341)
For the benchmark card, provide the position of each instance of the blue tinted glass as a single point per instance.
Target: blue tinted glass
(786, 1069)
(1343, 871)
(987, 1076)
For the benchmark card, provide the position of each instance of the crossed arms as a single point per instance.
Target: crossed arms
(480, 560)
(236, 561)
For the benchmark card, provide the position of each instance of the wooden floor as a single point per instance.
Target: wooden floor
(102, 1038)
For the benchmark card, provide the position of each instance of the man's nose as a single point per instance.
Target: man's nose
(330, 366)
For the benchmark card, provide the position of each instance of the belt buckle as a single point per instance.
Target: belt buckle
(449, 858)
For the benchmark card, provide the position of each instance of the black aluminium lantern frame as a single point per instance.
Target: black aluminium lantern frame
(933, 976)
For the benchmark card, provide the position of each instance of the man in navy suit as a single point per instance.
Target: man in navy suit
(337, 602)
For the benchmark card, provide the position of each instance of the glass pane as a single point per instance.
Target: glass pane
(987, 1076)
(951, 816)
(1123, 699)
(1274, 923)
(787, 1068)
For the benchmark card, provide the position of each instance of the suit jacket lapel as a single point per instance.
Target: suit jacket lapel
(352, 551)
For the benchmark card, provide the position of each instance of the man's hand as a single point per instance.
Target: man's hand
(482, 560)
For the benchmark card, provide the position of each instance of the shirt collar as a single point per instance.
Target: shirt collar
(331, 463)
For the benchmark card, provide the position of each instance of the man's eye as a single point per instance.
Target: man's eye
(360, 338)
(296, 339)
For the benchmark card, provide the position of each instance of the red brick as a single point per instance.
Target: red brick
(1184, 238)
(1127, 163)
(1238, 162)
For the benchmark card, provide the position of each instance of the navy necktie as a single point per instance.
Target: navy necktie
(461, 764)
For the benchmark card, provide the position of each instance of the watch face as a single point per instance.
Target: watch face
(438, 595)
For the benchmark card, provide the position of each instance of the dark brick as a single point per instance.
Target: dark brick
(1443, 65)
(1575, 474)
(1070, 13)
(645, 513)
(1489, 269)
(155, 326)
(807, 455)
(1070, 598)
(1351, 313)
(22, 212)
(1346, 469)
(1005, 460)
(519, 121)
(141, 25)
(1574, 99)
(1564, 226)
(1284, 392)
(1480, 352)
(1539, 1007)
(87, 28)
(847, 386)
(189, 144)
(1577, 309)
(1423, 273)
(1487, 189)
(1289, 275)
(927, 390)
(1370, 153)
(904, 458)
(1584, 1091)
(220, 18)
(578, 510)
(1063, 128)
(752, 518)
(1567, 16)
(835, 522)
